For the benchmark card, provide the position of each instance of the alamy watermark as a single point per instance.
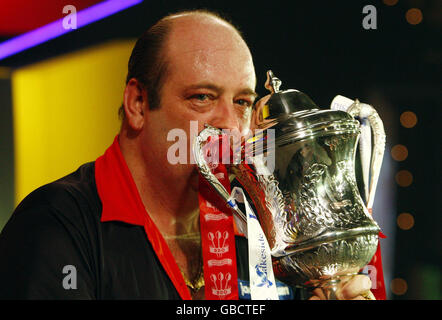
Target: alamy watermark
(370, 20)
(70, 280)
(372, 273)
(70, 21)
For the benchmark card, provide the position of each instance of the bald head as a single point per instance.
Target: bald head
(202, 26)
(206, 45)
(182, 33)
(195, 33)
(192, 23)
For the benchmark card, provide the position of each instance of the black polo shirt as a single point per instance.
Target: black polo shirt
(59, 232)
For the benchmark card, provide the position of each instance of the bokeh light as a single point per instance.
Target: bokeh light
(399, 152)
(405, 221)
(390, 2)
(398, 286)
(414, 16)
(404, 178)
(408, 119)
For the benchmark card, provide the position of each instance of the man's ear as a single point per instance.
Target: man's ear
(135, 104)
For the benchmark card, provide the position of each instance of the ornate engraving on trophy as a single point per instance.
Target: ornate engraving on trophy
(274, 199)
(313, 216)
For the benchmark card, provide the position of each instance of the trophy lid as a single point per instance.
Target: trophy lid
(287, 101)
(294, 115)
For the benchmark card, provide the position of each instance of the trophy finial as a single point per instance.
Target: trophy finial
(272, 83)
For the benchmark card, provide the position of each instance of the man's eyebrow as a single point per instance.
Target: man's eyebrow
(248, 91)
(205, 85)
(211, 86)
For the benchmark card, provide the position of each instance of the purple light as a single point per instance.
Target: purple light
(55, 29)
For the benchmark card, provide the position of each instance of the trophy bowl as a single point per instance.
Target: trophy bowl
(299, 173)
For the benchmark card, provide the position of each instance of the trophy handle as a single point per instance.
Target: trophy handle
(366, 111)
(198, 144)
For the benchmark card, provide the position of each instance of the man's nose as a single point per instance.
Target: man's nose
(226, 117)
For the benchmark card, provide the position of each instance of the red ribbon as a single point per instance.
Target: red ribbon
(217, 239)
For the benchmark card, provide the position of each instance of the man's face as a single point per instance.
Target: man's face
(211, 79)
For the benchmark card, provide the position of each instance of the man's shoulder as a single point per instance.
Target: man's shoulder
(52, 228)
(73, 193)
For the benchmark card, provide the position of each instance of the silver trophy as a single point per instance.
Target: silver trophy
(318, 227)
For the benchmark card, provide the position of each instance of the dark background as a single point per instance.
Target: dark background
(321, 48)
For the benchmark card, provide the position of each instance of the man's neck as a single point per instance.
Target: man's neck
(171, 203)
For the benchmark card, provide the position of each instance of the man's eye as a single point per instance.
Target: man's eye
(244, 103)
(200, 97)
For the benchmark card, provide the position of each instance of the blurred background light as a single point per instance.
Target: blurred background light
(414, 16)
(398, 286)
(399, 152)
(78, 132)
(408, 119)
(390, 2)
(404, 178)
(405, 221)
(56, 29)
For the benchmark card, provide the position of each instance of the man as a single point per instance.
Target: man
(127, 226)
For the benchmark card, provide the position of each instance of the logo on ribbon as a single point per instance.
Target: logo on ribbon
(218, 241)
(221, 287)
(262, 276)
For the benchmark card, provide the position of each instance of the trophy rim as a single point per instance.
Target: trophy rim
(332, 236)
(312, 131)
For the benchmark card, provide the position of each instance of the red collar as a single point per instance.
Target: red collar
(122, 202)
